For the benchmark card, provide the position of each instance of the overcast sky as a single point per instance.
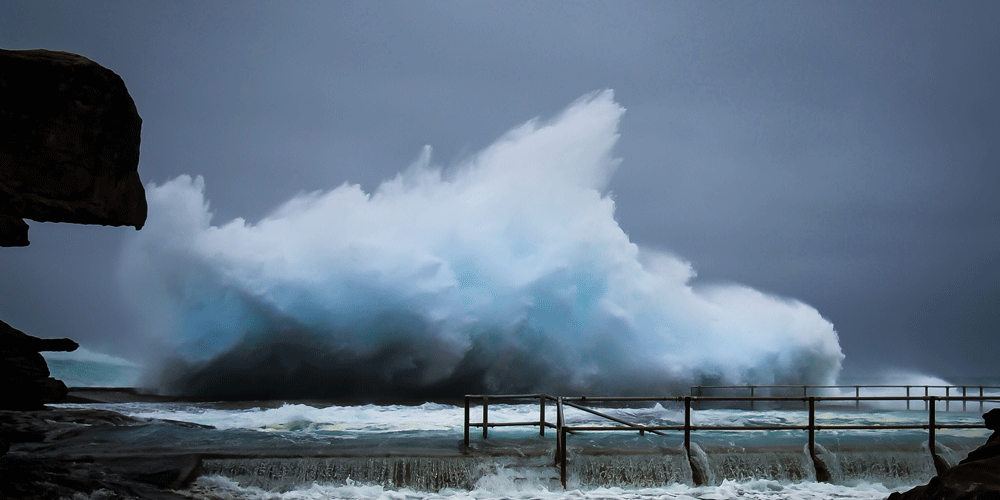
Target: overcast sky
(846, 154)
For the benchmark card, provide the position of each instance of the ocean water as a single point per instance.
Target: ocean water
(318, 450)
(85, 368)
(297, 450)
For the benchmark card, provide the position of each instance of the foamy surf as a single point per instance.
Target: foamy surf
(513, 487)
(444, 418)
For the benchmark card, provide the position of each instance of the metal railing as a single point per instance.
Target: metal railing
(822, 473)
(966, 390)
(486, 424)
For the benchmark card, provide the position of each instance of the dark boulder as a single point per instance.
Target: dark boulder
(975, 478)
(992, 447)
(69, 147)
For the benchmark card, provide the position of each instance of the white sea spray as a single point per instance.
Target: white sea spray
(505, 273)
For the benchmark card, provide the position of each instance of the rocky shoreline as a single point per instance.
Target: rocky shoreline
(32, 475)
(69, 153)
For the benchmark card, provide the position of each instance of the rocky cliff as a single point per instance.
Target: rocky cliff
(69, 152)
(69, 144)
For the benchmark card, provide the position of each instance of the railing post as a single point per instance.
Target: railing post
(947, 402)
(812, 426)
(560, 435)
(857, 394)
(963, 398)
(805, 394)
(907, 397)
(541, 415)
(932, 423)
(467, 421)
(486, 415)
(927, 392)
(687, 426)
(751, 397)
(980, 399)
(562, 457)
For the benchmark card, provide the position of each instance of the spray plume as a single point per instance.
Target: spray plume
(506, 273)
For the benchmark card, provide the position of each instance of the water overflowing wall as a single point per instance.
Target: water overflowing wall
(848, 467)
(421, 473)
(746, 466)
(630, 470)
(891, 468)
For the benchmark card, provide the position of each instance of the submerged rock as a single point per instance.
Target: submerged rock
(70, 147)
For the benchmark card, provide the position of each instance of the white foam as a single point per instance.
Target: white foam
(300, 417)
(509, 488)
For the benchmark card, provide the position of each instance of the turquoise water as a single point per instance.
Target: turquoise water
(84, 368)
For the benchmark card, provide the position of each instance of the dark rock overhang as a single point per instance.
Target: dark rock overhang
(69, 144)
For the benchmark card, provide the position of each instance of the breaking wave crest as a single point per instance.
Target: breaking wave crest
(506, 273)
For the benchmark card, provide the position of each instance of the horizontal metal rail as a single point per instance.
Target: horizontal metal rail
(512, 424)
(501, 397)
(845, 386)
(640, 428)
(530, 423)
(486, 424)
(697, 390)
(562, 430)
(651, 428)
(627, 399)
